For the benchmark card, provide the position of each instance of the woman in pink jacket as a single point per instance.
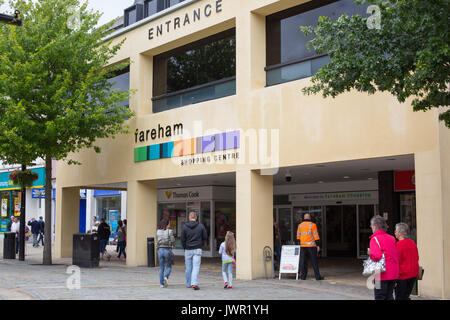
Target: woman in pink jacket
(383, 243)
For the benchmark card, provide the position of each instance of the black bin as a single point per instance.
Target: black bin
(9, 245)
(151, 252)
(86, 250)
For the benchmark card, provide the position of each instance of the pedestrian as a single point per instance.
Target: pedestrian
(41, 233)
(15, 227)
(408, 263)
(103, 232)
(383, 243)
(35, 230)
(276, 242)
(8, 227)
(227, 249)
(193, 235)
(121, 240)
(309, 240)
(165, 241)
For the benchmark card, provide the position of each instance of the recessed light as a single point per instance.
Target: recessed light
(178, 184)
(346, 177)
(369, 178)
(320, 182)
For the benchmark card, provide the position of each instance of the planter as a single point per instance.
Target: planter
(24, 179)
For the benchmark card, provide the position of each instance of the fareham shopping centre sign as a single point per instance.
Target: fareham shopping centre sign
(186, 19)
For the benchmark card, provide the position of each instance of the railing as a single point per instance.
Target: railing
(208, 91)
(295, 70)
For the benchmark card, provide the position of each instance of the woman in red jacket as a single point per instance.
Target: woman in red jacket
(409, 262)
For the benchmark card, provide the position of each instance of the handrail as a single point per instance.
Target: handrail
(192, 89)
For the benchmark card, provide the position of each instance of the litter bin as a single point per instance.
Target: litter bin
(151, 252)
(9, 245)
(86, 250)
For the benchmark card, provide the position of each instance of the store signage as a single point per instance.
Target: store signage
(405, 180)
(177, 194)
(158, 133)
(289, 259)
(7, 184)
(181, 21)
(4, 226)
(4, 205)
(191, 147)
(335, 196)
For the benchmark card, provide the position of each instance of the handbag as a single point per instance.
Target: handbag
(170, 256)
(371, 266)
(420, 273)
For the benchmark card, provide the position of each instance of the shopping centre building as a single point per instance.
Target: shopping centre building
(222, 128)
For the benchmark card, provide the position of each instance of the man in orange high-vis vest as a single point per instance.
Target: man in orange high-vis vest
(309, 242)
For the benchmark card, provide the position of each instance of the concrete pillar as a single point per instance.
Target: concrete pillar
(141, 79)
(433, 211)
(254, 222)
(141, 220)
(66, 220)
(251, 52)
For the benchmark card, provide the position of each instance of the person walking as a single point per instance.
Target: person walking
(383, 243)
(408, 263)
(308, 237)
(41, 232)
(35, 230)
(8, 227)
(165, 241)
(227, 249)
(193, 235)
(121, 234)
(103, 232)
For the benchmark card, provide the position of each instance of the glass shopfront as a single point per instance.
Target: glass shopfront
(215, 207)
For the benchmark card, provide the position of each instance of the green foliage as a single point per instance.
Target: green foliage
(409, 56)
(55, 97)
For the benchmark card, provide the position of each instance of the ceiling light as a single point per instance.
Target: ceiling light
(320, 182)
(346, 177)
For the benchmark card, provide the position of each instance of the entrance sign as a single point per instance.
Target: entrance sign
(405, 180)
(334, 196)
(289, 260)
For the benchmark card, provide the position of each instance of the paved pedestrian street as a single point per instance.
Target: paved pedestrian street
(30, 280)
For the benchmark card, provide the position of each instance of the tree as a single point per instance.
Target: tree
(55, 97)
(407, 54)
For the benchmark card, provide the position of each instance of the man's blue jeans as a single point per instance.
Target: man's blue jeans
(103, 245)
(192, 259)
(163, 257)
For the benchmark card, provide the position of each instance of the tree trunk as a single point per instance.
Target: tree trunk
(22, 221)
(47, 256)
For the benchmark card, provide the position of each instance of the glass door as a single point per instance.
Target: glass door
(341, 230)
(285, 225)
(365, 213)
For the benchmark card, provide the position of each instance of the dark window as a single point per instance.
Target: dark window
(121, 81)
(200, 71)
(288, 58)
(154, 6)
(133, 14)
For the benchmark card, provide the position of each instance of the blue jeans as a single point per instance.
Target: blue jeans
(192, 259)
(163, 257)
(103, 245)
(122, 245)
(228, 266)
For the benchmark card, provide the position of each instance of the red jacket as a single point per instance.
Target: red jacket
(409, 259)
(389, 248)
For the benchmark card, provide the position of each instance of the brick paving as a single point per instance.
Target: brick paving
(113, 280)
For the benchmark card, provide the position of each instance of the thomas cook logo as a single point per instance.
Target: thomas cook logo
(169, 194)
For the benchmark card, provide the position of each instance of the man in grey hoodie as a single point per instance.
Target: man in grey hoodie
(193, 236)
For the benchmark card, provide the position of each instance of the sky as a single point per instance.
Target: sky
(110, 8)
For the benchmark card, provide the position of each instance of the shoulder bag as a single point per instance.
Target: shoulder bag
(170, 255)
(371, 266)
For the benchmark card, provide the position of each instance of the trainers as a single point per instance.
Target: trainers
(166, 282)
(117, 257)
(226, 285)
(195, 288)
(124, 259)
(321, 278)
(162, 286)
(230, 287)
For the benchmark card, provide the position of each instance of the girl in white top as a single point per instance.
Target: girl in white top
(228, 249)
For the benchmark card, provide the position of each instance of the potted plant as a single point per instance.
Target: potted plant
(24, 179)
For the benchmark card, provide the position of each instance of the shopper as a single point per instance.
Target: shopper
(8, 227)
(35, 230)
(193, 235)
(408, 263)
(165, 241)
(277, 242)
(95, 225)
(308, 237)
(227, 249)
(383, 243)
(103, 232)
(15, 227)
(42, 229)
(121, 240)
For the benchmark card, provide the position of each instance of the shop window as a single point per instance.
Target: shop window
(108, 208)
(197, 72)
(121, 81)
(225, 216)
(288, 57)
(133, 14)
(176, 213)
(154, 6)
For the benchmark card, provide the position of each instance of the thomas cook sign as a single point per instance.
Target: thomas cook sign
(186, 19)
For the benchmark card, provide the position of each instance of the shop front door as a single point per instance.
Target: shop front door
(341, 231)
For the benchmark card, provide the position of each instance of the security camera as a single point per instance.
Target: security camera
(288, 176)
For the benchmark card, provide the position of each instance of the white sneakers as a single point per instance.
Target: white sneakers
(166, 282)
